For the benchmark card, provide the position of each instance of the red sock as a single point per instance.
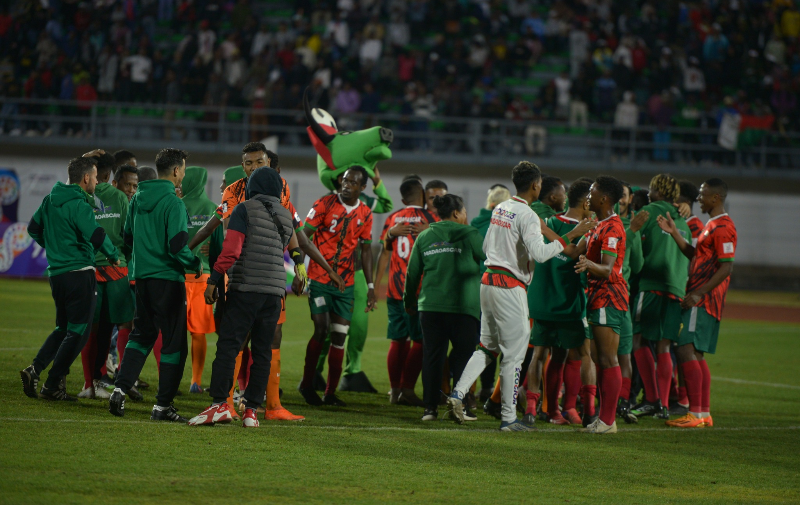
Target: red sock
(335, 358)
(524, 384)
(612, 382)
(683, 397)
(88, 356)
(693, 377)
(664, 374)
(313, 350)
(413, 366)
(647, 369)
(554, 376)
(157, 352)
(705, 403)
(625, 390)
(398, 350)
(587, 398)
(572, 383)
(533, 399)
(244, 370)
(122, 341)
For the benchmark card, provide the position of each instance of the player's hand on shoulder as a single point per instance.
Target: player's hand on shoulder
(586, 225)
(683, 209)
(638, 220)
(92, 154)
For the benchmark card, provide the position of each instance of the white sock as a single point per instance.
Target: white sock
(160, 408)
(118, 390)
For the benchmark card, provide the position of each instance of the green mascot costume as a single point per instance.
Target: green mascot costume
(336, 152)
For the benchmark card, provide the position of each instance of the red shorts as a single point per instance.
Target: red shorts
(199, 315)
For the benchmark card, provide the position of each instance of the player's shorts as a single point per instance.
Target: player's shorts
(325, 298)
(402, 325)
(701, 329)
(657, 317)
(563, 334)
(625, 335)
(606, 316)
(282, 318)
(199, 314)
(117, 298)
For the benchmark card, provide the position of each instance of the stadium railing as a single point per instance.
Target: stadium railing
(598, 146)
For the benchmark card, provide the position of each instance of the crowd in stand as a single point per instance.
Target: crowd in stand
(626, 62)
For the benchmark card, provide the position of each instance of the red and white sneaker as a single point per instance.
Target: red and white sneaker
(249, 419)
(212, 415)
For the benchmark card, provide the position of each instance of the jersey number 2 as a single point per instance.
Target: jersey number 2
(332, 229)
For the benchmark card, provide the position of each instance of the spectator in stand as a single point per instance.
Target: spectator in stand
(140, 67)
(715, 47)
(694, 82)
(348, 100)
(626, 118)
(563, 85)
(86, 95)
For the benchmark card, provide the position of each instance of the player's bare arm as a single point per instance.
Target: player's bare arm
(366, 261)
(668, 225)
(311, 250)
(601, 270)
(399, 230)
(383, 262)
(692, 299)
(204, 232)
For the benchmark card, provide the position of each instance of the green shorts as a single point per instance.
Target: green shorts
(701, 329)
(625, 335)
(324, 298)
(402, 325)
(117, 299)
(607, 316)
(657, 317)
(563, 334)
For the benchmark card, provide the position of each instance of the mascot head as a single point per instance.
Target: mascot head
(337, 151)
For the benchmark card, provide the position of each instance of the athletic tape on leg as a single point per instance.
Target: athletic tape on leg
(340, 328)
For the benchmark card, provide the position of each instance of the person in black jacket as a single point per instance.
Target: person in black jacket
(252, 255)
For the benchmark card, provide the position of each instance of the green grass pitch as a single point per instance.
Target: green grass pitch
(372, 452)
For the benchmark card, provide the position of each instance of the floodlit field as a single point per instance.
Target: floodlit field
(373, 452)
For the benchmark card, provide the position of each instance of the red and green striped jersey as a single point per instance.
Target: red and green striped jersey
(337, 231)
(716, 244)
(608, 238)
(401, 246)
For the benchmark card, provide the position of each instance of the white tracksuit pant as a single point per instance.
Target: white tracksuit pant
(504, 329)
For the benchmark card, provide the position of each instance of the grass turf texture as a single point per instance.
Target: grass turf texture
(373, 452)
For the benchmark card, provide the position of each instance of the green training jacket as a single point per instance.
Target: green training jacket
(200, 209)
(447, 258)
(156, 230)
(111, 210)
(665, 267)
(542, 210)
(481, 222)
(633, 262)
(556, 292)
(64, 225)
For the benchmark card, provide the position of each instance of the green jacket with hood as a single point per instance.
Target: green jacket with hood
(111, 210)
(542, 210)
(481, 222)
(156, 230)
(200, 209)
(64, 225)
(447, 258)
(665, 267)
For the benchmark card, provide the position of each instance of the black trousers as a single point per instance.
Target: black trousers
(245, 313)
(160, 306)
(439, 329)
(75, 295)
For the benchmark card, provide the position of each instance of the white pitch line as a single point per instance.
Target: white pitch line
(754, 383)
(300, 425)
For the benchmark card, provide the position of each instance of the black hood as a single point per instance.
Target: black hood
(264, 181)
